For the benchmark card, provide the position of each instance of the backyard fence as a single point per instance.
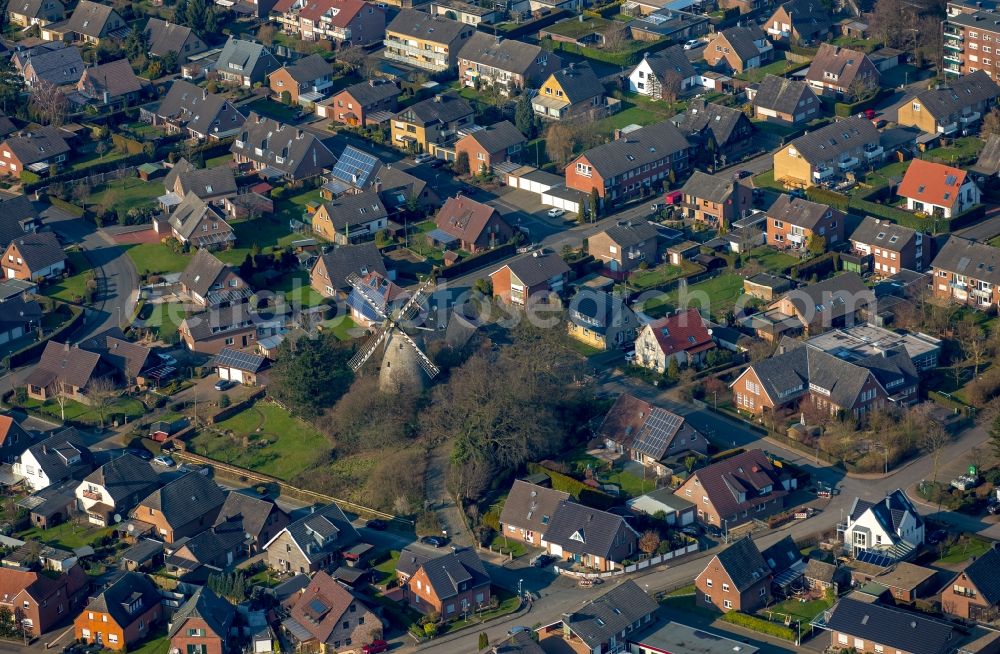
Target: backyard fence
(632, 567)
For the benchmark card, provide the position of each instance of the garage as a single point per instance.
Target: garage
(563, 198)
(238, 366)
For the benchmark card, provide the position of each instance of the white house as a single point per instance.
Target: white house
(669, 67)
(890, 526)
(53, 460)
(938, 190)
(683, 336)
(115, 488)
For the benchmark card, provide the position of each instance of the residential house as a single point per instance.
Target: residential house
(122, 614)
(528, 510)
(677, 637)
(491, 145)
(722, 133)
(259, 519)
(55, 63)
(329, 274)
(509, 64)
(833, 302)
(842, 71)
(465, 12)
(736, 579)
(784, 100)
(949, 108)
(605, 624)
(573, 92)
(239, 366)
(938, 190)
(200, 224)
(591, 537)
(601, 320)
(632, 163)
(399, 187)
(14, 439)
(907, 582)
(18, 216)
(112, 86)
(738, 49)
(968, 272)
(236, 325)
(26, 13)
(266, 145)
(891, 246)
(210, 283)
(715, 200)
(202, 624)
(90, 22)
(36, 151)
(344, 22)
(865, 339)
(624, 246)
(649, 434)
(115, 488)
(19, 318)
(59, 457)
(356, 171)
(370, 102)
(451, 584)
(34, 257)
(974, 593)
(532, 278)
(67, 372)
(874, 627)
(191, 110)
(182, 508)
(828, 152)
(682, 337)
(799, 224)
(306, 81)
(326, 617)
(969, 38)
(800, 21)
(664, 74)
(424, 41)
(211, 185)
(38, 600)
(372, 298)
(891, 526)
(736, 490)
(165, 37)
(245, 63)
(351, 218)
(216, 548)
(820, 575)
(421, 126)
(475, 226)
(311, 543)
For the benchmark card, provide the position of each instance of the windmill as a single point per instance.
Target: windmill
(403, 361)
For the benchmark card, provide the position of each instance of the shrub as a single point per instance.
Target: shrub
(224, 401)
(759, 625)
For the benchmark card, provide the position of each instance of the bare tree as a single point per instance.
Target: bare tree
(266, 34)
(615, 37)
(973, 341)
(991, 123)
(55, 391)
(48, 103)
(670, 87)
(559, 143)
(102, 393)
(934, 439)
(353, 56)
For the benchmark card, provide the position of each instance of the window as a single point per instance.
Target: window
(725, 588)
(842, 639)
(859, 644)
(112, 638)
(763, 591)
(878, 649)
(708, 582)
(708, 599)
(727, 604)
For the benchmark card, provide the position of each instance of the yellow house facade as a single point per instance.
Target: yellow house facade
(792, 169)
(586, 336)
(405, 131)
(913, 113)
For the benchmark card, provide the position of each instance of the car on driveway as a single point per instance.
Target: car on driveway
(555, 212)
(423, 158)
(224, 384)
(630, 356)
(692, 44)
(139, 452)
(518, 630)
(377, 525)
(165, 461)
(542, 560)
(375, 647)
(434, 541)
(691, 531)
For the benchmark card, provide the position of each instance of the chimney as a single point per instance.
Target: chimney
(437, 98)
(66, 346)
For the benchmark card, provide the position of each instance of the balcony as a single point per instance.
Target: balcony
(425, 59)
(952, 69)
(969, 118)
(822, 173)
(954, 45)
(90, 495)
(952, 57)
(797, 239)
(947, 129)
(849, 163)
(635, 254)
(776, 32)
(873, 152)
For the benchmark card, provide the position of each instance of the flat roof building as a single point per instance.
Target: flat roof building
(677, 637)
(864, 340)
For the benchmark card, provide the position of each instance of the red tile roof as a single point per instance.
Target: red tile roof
(682, 332)
(345, 10)
(933, 183)
(748, 473)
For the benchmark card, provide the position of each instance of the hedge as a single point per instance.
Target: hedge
(844, 110)
(760, 625)
(828, 197)
(579, 490)
(820, 266)
(596, 54)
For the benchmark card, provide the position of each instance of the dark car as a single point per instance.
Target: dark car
(740, 174)
(937, 536)
(377, 525)
(542, 560)
(143, 454)
(436, 541)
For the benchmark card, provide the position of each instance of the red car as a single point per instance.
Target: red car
(375, 647)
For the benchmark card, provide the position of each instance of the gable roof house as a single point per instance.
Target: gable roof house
(306, 81)
(245, 62)
(258, 519)
(55, 63)
(736, 490)
(738, 49)
(329, 274)
(112, 85)
(531, 278)
(967, 272)
(326, 615)
(528, 510)
(784, 100)
(14, 439)
(365, 103)
(891, 246)
(17, 216)
(33, 257)
(714, 199)
(90, 22)
(663, 74)
(193, 110)
(200, 224)
(833, 302)
(604, 624)
(164, 36)
(682, 336)
(571, 92)
(648, 434)
(475, 226)
(115, 488)
(891, 527)
(800, 21)
(313, 542)
(59, 457)
(182, 508)
(210, 550)
(19, 318)
(509, 64)
(974, 593)
(430, 122)
(203, 623)
(67, 371)
(122, 614)
(841, 70)
(704, 123)
(795, 223)
(374, 294)
(36, 150)
(233, 325)
(736, 579)
(399, 187)
(591, 537)
(948, 108)
(345, 22)
(601, 320)
(451, 584)
(268, 146)
(428, 42)
(209, 184)
(39, 600)
(938, 190)
(26, 13)
(491, 145)
(624, 246)
(351, 217)
(210, 282)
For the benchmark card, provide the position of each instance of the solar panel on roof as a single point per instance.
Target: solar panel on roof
(874, 558)
(238, 359)
(355, 166)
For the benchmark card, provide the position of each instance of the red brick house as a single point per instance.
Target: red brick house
(967, 272)
(474, 225)
(793, 223)
(451, 585)
(326, 617)
(120, 615)
(528, 510)
(974, 593)
(41, 601)
(370, 102)
(202, 625)
(492, 145)
(33, 256)
(736, 579)
(534, 277)
(892, 247)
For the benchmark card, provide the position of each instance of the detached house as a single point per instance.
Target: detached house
(453, 584)
(664, 74)
(26, 13)
(267, 146)
(245, 63)
(258, 519)
(591, 537)
(739, 49)
(974, 593)
(601, 320)
(715, 200)
(329, 274)
(874, 627)
(38, 600)
(202, 624)
(891, 246)
(191, 110)
(210, 283)
(233, 325)
(649, 434)
(783, 100)
(433, 121)
(528, 510)
(428, 42)
(112, 85)
(165, 37)
(736, 490)
(90, 22)
(370, 102)
(682, 336)
(736, 579)
(722, 132)
(890, 526)
(795, 223)
(327, 617)
(184, 507)
(66, 371)
(122, 614)
(32, 257)
(938, 190)
(800, 21)
(345, 22)
(36, 151)
(306, 81)
(491, 145)
(573, 92)
(351, 218)
(605, 624)
(828, 152)
(311, 543)
(841, 70)
(200, 224)
(952, 107)
(59, 457)
(115, 488)
(14, 439)
(537, 277)
(833, 302)
(209, 184)
(968, 272)
(18, 216)
(510, 64)
(474, 226)
(55, 63)
(623, 247)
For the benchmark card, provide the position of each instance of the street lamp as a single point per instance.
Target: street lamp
(519, 582)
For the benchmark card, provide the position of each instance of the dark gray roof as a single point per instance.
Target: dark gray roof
(198, 110)
(844, 63)
(636, 149)
(144, 550)
(782, 555)
(584, 529)
(352, 209)
(62, 455)
(124, 478)
(252, 512)
(596, 310)
(671, 60)
(207, 182)
(321, 532)
(983, 572)
(628, 233)
(187, 215)
(579, 82)
(202, 271)
(302, 154)
(443, 108)
(906, 631)
(821, 571)
(835, 139)
(798, 211)
(530, 506)
(167, 37)
(724, 123)
(211, 547)
(445, 573)
(89, 18)
(244, 57)
(129, 588)
(372, 91)
(742, 41)
(836, 296)
(185, 498)
(114, 78)
(976, 260)
(533, 270)
(781, 94)
(873, 231)
(421, 25)
(715, 188)
(347, 259)
(182, 165)
(59, 64)
(204, 604)
(40, 145)
(744, 563)
(809, 17)
(498, 137)
(611, 614)
(34, 8)
(966, 91)
(507, 55)
(39, 250)
(309, 68)
(519, 643)
(889, 512)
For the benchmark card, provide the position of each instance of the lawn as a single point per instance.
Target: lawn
(777, 67)
(129, 192)
(630, 484)
(264, 232)
(156, 258)
(73, 288)
(264, 438)
(298, 293)
(93, 159)
(271, 109)
(74, 410)
(962, 150)
(385, 570)
(67, 535)
(650, 277)
(629, 116)
(574, 29)
(766, 180)
(804, 611)
(221, 160)
(157, 643)
(342, 327)
(774, 261)
(891, 174)
(508, 546)
(717, 295)
(965, 548)
(163, 318)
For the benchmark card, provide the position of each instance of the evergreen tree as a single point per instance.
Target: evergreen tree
(524, 117)
(11, 86)
(136, 44)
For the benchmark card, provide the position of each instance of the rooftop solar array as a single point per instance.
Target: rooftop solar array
(874, 558)
(238, 359)
(656, 434)
(355, 166)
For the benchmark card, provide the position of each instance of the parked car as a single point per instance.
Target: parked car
(740, 174)
(937, 536)
(542, 560)
(423, 158)
(692, 44)
(435, 541)
(691, 531)
(139, 452)
(519, 629)
(630, 356)
(375, 647)
(377, 525)
(165, 461)
(555, 212)
(224, 384)
(993, 509)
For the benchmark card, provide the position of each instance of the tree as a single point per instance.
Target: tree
(817, 244)
(524, 116)
(462, 163)
(11, 86)
(649, 541)
(934, 440)
(673, 370)
(595, 205)
(310, 374)
(266, 34)
(991, 123)
(136, 44)
(102, 394)
(615, 37)
(169, 62)
(995, 437)
(670, 87)
(559, 143)
(48, 103)
(484, 640)
(973, 341)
